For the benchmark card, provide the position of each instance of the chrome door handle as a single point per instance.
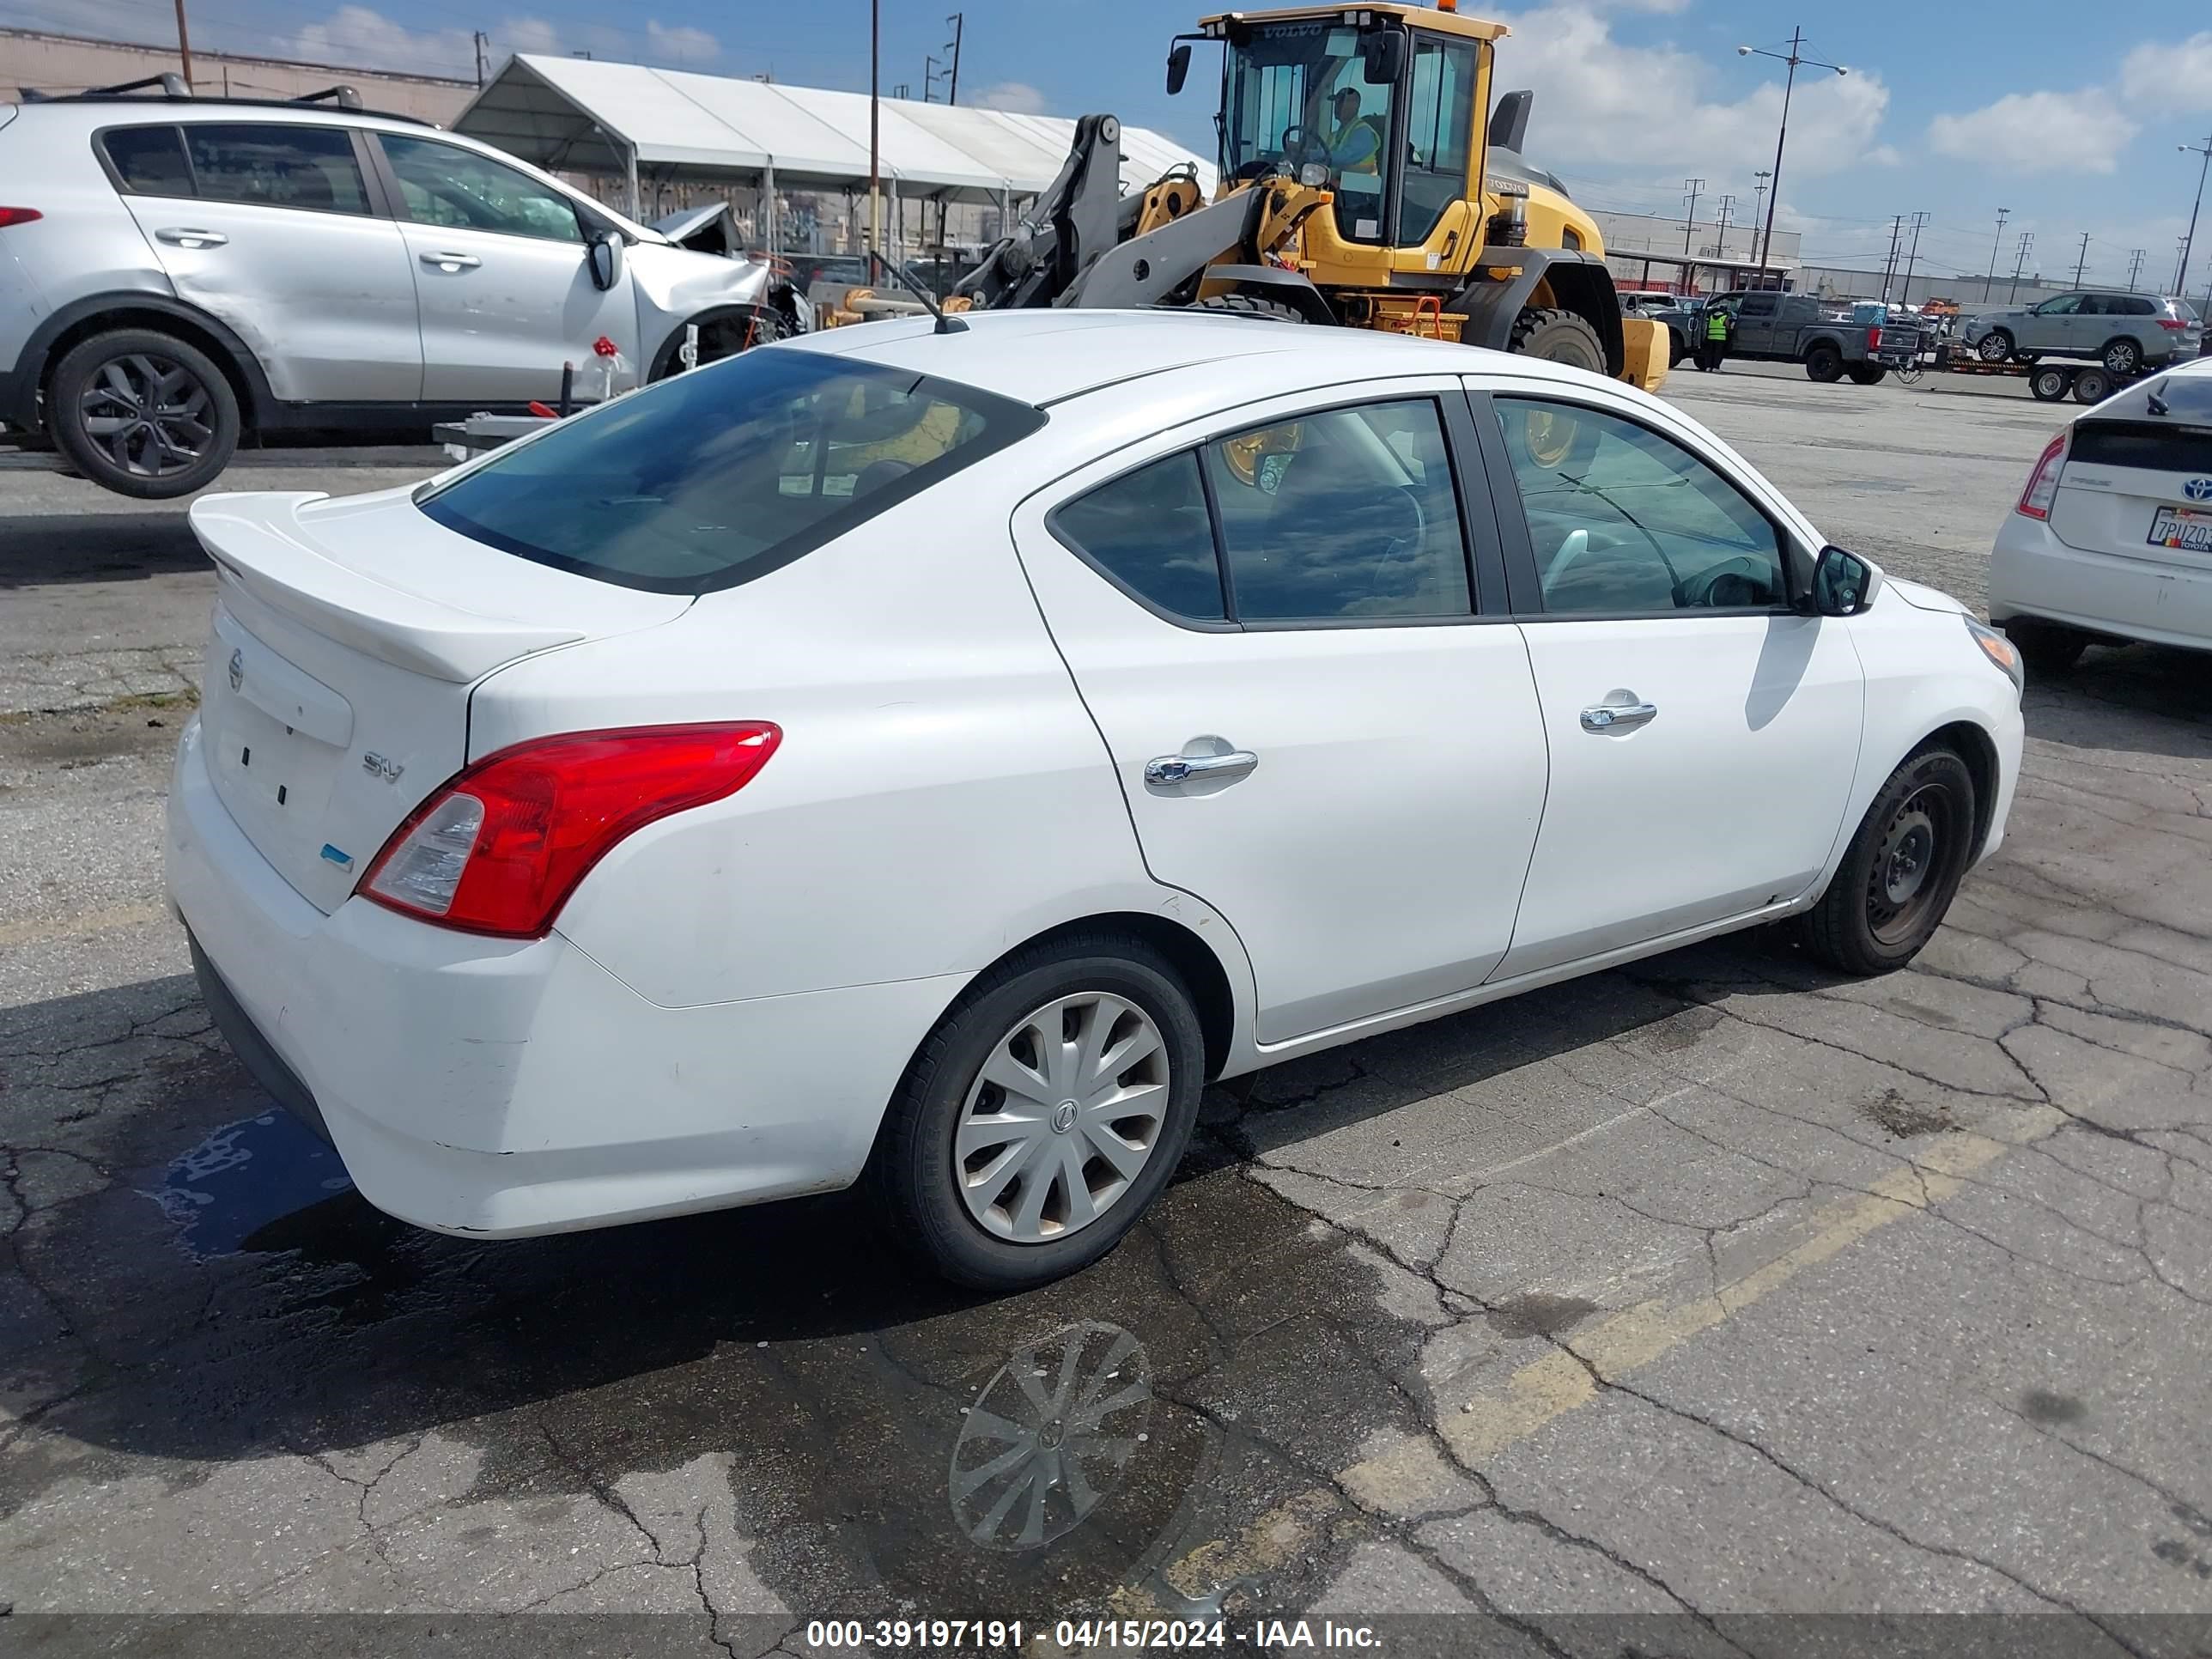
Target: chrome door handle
(1612, 717)
(451, 261)
(178, 236)
(1182, 768)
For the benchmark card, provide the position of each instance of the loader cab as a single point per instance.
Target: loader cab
(1383, 106)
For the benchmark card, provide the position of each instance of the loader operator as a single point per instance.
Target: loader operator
(1354, 146)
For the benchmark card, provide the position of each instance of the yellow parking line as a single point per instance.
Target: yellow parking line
(1548, 1389)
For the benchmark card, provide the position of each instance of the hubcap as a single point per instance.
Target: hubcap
(1049, 1437)
(1063, 1116)
(1900, 886)
(149, 413)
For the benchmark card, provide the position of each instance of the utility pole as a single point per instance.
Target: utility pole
(2188, 242)
(1689, 216)
(958, 23)
(184, 43)
(484, 50)
(2003, 214)
(1720, 240)
(2135, 267)
(1913, 258)
(1795, 57)
(1889, 265)
(1758, 195)
(2082, 264)
(2019, 264)
(931, 73)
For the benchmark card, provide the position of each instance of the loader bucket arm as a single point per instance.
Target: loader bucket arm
(1077, 219)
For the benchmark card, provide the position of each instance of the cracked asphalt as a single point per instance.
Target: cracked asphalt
(1669, 1310)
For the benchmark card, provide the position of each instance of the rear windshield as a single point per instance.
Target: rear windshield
(725, 473)
(2164, 425)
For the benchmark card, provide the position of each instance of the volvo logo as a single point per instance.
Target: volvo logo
(237, 669)
(2198, 489)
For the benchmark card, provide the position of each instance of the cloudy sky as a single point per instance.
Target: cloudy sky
(1953, 110)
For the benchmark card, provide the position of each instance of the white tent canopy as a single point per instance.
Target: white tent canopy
(587, 115)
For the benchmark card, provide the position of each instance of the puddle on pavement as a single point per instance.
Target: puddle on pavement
(244, 1176)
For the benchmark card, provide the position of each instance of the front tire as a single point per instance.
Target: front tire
(1017, 1150)
(1993, 347)
(1558, 336)
(1251, 305)
(143, 413)
(1901, 870)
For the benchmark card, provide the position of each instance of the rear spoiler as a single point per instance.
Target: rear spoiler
(256, 543)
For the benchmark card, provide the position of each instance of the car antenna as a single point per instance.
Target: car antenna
(2156, 403)
(945, 325)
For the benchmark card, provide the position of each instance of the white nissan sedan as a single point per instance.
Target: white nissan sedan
(925, 759)
(2111, 537)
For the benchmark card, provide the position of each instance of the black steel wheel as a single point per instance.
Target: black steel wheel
(2051, 386)
(142, 413)
(2091, 386)
(1824, 364)
(1901, 869)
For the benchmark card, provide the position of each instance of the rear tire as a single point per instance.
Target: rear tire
(1901, 869)
(1866, 374)
(938, 1203)
(168, 418)
(2047, 648)
(1824, 364)
(2091, 386)
(1558, 336)
(2122, 358)
(2050, 385)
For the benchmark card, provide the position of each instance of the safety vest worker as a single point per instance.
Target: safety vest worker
(1716, 325)
(1353, 145)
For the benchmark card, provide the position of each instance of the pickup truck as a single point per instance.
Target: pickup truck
(1832, 340)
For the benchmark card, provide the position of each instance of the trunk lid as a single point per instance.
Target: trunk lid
(348, 634)
(2140, 486)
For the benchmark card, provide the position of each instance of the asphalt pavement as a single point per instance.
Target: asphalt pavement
(1681, 1309)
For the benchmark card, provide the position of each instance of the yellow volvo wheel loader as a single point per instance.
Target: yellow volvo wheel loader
(1365, 181)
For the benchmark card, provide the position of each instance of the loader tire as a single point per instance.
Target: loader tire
(1558, 336)
(1251, 305)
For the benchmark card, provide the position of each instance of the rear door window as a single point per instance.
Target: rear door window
(149, 160)
(1149, 532)
(729, 472)
(274, 165)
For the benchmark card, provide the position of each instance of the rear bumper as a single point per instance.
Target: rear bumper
(2034, 574)
(501, 1088)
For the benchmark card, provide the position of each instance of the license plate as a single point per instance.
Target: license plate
(2178, 528)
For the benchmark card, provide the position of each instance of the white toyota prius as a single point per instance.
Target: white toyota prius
(925, 758)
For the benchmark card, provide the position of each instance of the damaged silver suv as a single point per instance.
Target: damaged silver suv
(178, 273)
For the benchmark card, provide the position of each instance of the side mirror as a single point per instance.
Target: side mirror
(1384, 58)
(606, 258)
(1844, 584)
(1178, 66)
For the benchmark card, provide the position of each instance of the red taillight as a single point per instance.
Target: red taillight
(2043, 483)
(498, 850)
(1874, 337)
(2172, 322)
(18, 216)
